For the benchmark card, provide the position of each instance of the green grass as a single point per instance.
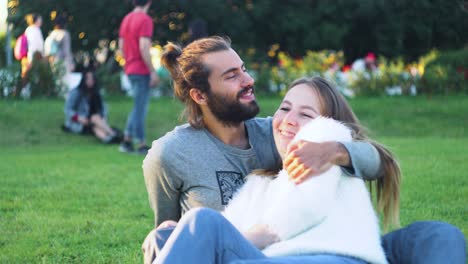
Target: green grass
(68, 199)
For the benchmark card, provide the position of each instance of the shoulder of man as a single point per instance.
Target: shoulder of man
(259, 126)
(142, 19)
(148, 17)
(177, 141)
(175, 150)
(260, 131)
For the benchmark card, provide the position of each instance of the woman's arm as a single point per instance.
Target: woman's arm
(305, 159)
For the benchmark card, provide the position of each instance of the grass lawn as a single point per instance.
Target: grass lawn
(68, 199)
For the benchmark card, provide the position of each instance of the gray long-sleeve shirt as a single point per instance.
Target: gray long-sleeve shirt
(190, 167)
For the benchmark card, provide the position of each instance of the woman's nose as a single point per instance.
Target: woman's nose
(290, 119)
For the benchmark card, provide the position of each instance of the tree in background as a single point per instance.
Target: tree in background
(388, 28)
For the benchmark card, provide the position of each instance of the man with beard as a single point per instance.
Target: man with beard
(202, 163)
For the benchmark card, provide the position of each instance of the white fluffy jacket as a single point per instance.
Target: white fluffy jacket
(330, 213)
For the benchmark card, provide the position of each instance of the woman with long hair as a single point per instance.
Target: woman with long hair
(86, 113)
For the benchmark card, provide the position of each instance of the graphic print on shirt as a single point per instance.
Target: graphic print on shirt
(229, 182)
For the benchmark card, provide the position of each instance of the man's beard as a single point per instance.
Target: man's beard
(232, 112)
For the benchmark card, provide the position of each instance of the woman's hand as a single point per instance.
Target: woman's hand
(261, 236)
(305, 159)
(167, 223)
(83, 120)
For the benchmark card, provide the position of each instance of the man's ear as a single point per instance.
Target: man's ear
(198, 96)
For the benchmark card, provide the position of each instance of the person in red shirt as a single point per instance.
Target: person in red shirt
(136, 31)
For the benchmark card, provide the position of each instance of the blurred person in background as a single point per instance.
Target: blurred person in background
(58, 44)
(135, 33)
(58, 50)
(35, 39)
(86, 113)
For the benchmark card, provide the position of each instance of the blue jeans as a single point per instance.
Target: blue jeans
(204, 233)
(135, 128)
(204, 236)
(427, 242)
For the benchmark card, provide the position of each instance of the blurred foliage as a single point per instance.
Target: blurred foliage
(10, 79)
(39, 81)
(313, 63)
(284, 40)
(388, 28)
(392, 74)
(433, 73)
(447, 73)
(42, 79)
(109, 81)
(2, 50)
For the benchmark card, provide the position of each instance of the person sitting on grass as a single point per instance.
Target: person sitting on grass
(85, 111)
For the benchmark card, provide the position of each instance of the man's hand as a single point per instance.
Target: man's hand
(154, 79)
(261, 236)
(306, 159)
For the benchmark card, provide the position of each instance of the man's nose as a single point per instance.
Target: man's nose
(248, 80)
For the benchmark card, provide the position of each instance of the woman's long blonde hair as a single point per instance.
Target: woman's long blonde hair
(334, 105)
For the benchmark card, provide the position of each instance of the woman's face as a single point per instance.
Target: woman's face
(89, 80)
(300, 105)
